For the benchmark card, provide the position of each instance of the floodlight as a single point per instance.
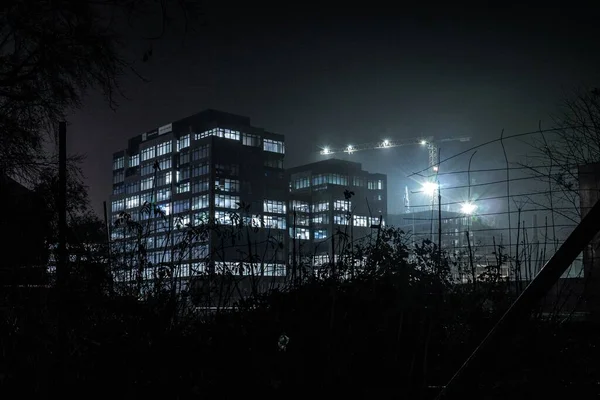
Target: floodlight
(386, 143)
(350, 149)
(468, 208)
(423, 142)
(325, 151)
(429, 188)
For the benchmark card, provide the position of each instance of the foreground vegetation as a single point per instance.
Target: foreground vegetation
(397, 328)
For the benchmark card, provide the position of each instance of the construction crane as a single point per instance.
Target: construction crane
(429, 141)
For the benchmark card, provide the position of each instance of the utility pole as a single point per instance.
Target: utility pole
(439, 192)
(439, 226)
(61, 262)
(61, 266)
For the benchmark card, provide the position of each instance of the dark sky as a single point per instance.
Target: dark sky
(325, 75)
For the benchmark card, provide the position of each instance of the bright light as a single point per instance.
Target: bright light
(325, 151)
(423, 142)
(386, 143)
(436, 168)
(468, 208)
(350, 149)
(429, 188)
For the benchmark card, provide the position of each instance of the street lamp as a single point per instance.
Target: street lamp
(386, 143)
(350, 149)
(325, 151)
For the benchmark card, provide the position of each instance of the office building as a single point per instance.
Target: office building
(212, 181)
(330, 196)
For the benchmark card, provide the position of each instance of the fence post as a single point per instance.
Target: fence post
(539, 286)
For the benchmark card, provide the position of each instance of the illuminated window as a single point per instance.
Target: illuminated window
(200, 202)
(301, 206)
(302, 220)
(163, 148)
(183, 142)
(132, 187)
(358, 181)
(340, 220)
(145, 198)
(274, 206)
(148, 153)
(321, 234)
(164, 178)
(147, 169)
(200, 218)
(231, 134)
(200, 185)
(300, 233)
(118, 163)
(134, 160)
(375, 185)
(226, 201)
(118, 189)
(250, 140)
(118, 205)
(146, 184)
(274, 146)
(181, 206)
(321, 259)
(223, 217)
(118, 177)
(301, 183)
(360, 220)
(183, 187)
(227, 185)
(132, 202)
(342, 205)
(320, 219)
(321, 206)
(164, 163)
(163, 194)
(183, 174)
(166, 209)
(274, 222)
(184, 157)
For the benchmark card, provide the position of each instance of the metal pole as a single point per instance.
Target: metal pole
(61, 267)
(61, 262)
(439, 226)
(577, 241)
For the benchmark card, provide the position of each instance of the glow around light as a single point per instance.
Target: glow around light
(436, 168)
(350, 149)
(386, 143)
(423, 142)
(429, 188)
(468, 208)
(325, 151)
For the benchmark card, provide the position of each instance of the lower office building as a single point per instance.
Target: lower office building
(329, 197)
(209, 193)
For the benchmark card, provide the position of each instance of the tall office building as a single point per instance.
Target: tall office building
(321, 204)
(210, 169)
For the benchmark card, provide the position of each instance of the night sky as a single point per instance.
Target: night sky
(321, 78)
